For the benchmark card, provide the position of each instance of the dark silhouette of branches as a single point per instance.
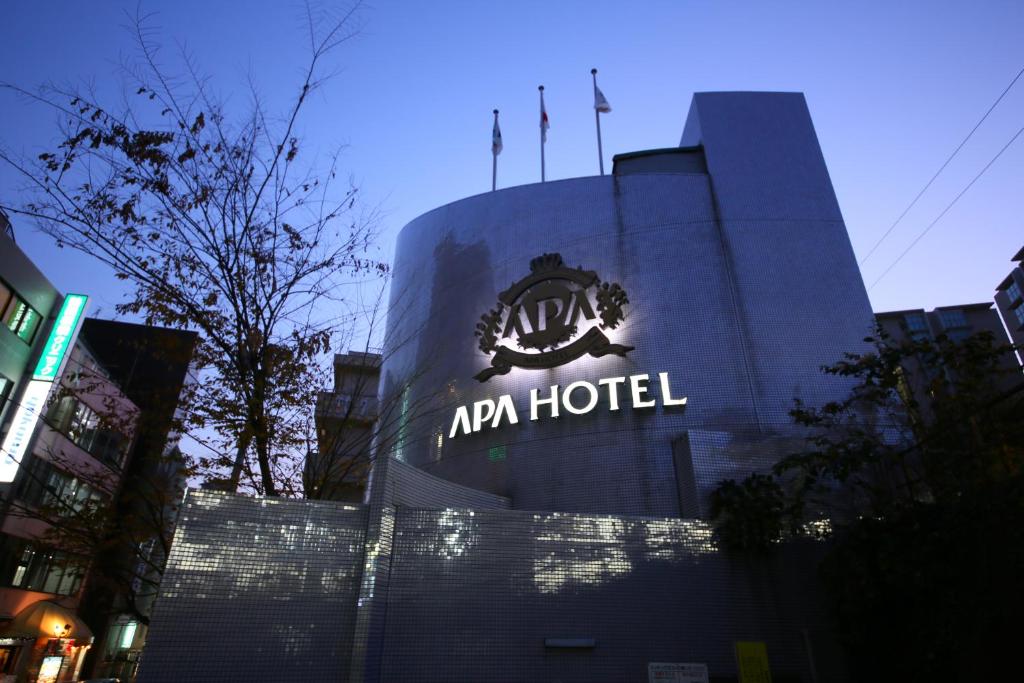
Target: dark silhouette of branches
(222, 223)
(917, 481)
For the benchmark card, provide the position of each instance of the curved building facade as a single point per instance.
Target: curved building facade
(741, 284)
(502, 541)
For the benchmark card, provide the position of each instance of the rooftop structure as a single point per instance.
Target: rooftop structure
(1010, 301)
(345, 420)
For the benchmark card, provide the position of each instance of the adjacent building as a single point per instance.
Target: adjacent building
(1010, 300)
(572, 367)
(345, 422)
(27, 300)
(85, 427)
(73, 468)
(67, 428)
(956, 322)
(154, 367)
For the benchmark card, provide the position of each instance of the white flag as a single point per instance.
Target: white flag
(544, 125)
(496, 145)
(600, 103)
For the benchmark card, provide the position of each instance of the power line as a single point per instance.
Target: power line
(948, 207)
(941, 168)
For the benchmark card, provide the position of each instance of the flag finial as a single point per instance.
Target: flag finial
(593, 71)
(540, 87)
(495, 111)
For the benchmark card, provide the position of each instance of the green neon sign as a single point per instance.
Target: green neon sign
(61, 337)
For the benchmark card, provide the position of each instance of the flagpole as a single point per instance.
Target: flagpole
(494, 159)
(541, 88)
(597, 118)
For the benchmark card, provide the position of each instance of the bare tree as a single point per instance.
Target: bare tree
(357, 421)
(220, 224)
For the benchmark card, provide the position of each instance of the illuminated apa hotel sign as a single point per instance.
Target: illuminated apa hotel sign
(555, 315)
(578, 398)
(544, 314)
(48, 369)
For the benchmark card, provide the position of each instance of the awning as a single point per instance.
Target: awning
(45, 619)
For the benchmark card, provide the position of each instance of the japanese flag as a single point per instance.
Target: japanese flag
(544, 125)
(496, 145)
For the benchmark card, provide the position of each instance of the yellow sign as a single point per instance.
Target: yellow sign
(752, 661)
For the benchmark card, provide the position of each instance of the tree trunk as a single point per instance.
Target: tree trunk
(244, 439)
(263, 458)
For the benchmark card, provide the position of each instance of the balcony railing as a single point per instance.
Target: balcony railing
(345, 406)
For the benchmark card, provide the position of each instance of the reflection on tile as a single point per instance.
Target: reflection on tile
(257, 589)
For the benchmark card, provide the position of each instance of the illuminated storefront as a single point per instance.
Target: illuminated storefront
(48, 642)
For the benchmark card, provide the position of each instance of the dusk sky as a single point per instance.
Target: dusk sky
(893, 87)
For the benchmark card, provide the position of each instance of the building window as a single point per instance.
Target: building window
(1013, 292)
(84, 427)
(34, 568)
(128, 635)
(18, 316)
(917, 326)
(915, 322)
(953, 319)
(1019, 314)
(6, 386)
(120, 653)
(43, 485)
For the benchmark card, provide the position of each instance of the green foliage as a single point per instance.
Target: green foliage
(920, 473)
(751, 515)
(932, 592)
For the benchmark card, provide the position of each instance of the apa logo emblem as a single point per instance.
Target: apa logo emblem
(544, 312)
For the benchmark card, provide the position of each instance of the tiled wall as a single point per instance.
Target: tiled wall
(396, 486)
(474, 594)
(262, 590)
(257, 589)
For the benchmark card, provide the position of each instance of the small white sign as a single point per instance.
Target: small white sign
(661, 672)
(33, 405)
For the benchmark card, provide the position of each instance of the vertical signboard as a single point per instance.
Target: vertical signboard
(752, 662)
(47, 370)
